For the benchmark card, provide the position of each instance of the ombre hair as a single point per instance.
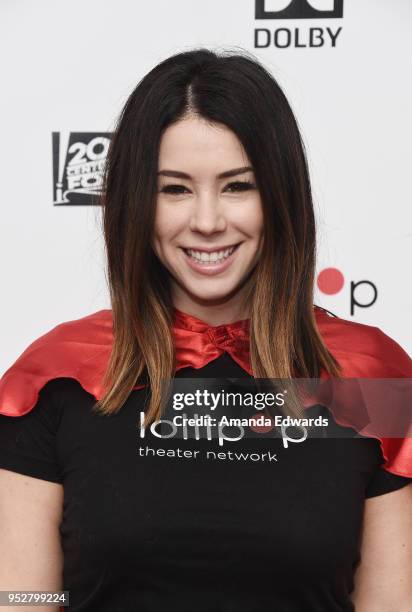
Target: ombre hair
(236, 90)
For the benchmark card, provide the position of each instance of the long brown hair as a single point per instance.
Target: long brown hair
(236, 90)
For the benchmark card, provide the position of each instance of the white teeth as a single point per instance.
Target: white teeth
(216, 256)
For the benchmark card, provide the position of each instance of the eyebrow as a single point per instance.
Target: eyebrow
(226, 174)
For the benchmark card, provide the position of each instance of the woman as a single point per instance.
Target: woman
(210, 236)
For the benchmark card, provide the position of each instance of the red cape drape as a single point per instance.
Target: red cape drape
(80, 349)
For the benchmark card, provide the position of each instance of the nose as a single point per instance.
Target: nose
(207, 215)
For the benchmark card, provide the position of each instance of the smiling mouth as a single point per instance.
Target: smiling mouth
(214, 257)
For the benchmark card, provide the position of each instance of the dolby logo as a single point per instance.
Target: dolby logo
(298, 9)
(297, 37)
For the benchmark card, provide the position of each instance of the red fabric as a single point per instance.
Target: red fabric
(80, 349)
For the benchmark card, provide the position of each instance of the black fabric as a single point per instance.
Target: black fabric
(152, 524)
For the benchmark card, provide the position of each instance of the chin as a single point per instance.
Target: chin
(210, 295)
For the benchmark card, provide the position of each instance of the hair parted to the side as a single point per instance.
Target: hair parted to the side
(235, 89)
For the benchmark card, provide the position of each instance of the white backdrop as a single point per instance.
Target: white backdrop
(68, 66)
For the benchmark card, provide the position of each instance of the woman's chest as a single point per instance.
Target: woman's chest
(150, 501)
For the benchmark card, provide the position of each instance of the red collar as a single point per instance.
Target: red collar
(182, 320)
(197, 343)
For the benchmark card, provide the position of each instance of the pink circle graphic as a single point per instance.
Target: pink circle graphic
(260, 428)
(330, 281)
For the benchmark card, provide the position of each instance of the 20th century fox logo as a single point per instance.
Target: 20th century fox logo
(297, 37)
(78, 163)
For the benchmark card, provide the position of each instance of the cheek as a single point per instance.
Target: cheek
(258, 225)
(163, 224)
(251, 219)
(167, 225)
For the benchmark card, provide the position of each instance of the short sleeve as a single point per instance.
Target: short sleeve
(28, 442)
(383, 481)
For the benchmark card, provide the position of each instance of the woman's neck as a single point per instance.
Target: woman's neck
(213, 314)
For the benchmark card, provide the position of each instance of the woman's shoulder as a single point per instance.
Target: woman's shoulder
(362, 349)
(366, 352)
(77, 349)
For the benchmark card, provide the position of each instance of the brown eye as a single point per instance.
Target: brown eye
(240, 186)
(173, 189)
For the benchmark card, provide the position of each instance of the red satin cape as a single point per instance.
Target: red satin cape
(80, 349)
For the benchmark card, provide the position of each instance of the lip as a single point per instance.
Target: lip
(211, 249)
(211, 269)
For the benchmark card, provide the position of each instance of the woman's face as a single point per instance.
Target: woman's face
(209, 221)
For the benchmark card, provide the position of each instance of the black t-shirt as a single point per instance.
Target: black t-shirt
(166, 523)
